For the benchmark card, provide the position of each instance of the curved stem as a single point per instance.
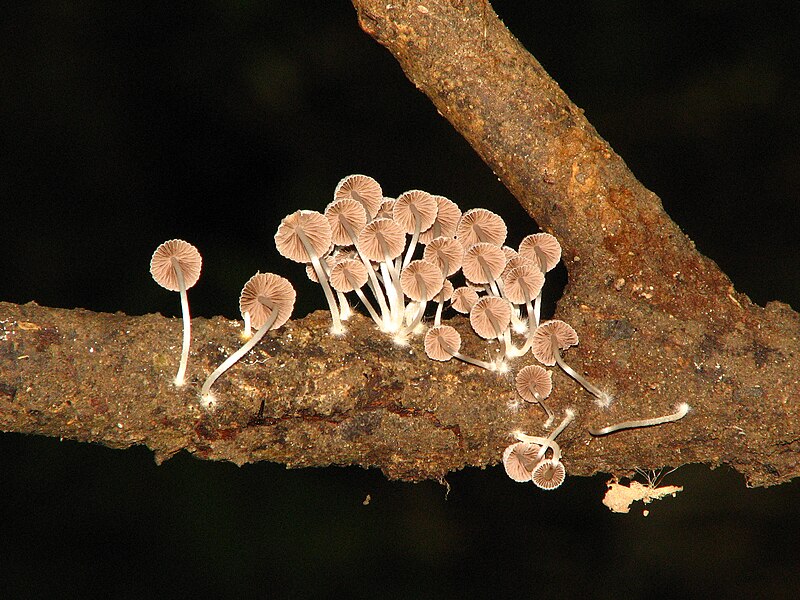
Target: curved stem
(336, 326)
(413, 245)
(180, 378)
(682, 410)
(206, 399)
(603, 398)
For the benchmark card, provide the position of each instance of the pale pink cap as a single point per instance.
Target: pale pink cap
(445, 251)
(362, 188)
(481, 225)
(464, 298)
(421, 274)
(549, 474)
(483, 253)
(542, 248)
(342, 214)
(522, 281)
(542, 345)
(187, 256)
(264, 293)
(315, 228)
(519, 460)
(422, 202)
(348, 274)
(487, 312)
(447, 218)
(441, 342)
(369, 240)
(533, 380)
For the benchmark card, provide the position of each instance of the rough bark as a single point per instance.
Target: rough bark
(659, 323)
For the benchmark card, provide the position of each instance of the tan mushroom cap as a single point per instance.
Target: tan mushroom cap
(542, 345)
(415, 200)
(445, 251)
(345, 214)
(481, 254)
(446, 292)
(313, 225)
(541, 248)
(421, 276)
(264, 293)
(523, 284)
(441, 342)
(447, 217)
(519, 460)
(386, 209)
(378, 234)
(187, 256)
(348, 274)
(518, 260)
(490, 316)
(481, 225)
(533, 381)
(362, 188)
(549, 474)
(464, 298)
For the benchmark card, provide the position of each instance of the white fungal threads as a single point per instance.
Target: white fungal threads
(682, 410)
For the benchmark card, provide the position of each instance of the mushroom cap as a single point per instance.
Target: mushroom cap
(441, 341)
(422, 202)
(386, 230)
(446, 292)
(464, 298)
(480, 254)
(522, 281)
(315, 228)
(348, 211)
(348, 274)
(362, 188)
(533, 380)
(542, 248)
(549, 474)
(447, 218)
(417, 273)
(276, 289)
(519, 460)
(386, 209)
(486, 312)
(443, 250)
(481, 225)
(188, 258)
(518, 260)
(542, 345)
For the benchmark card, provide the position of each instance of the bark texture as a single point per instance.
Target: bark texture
(659, 323)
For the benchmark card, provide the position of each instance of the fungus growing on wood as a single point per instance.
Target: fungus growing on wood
(443, 342)
(305, 236)
(447, 217)
(176, 265)
(534, 384)
(382, 240)
(490, 317)
(548, 340)
(421, 280)
(269, 299)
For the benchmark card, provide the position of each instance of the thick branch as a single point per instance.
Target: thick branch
(659, 323)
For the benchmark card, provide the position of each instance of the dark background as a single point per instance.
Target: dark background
(123, 125)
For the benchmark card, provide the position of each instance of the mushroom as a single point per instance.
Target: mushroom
(534, 384)
(443, 296)
(443, 342)
(520, 286)
(481, 225)
(464, 298)
(350, 275)
(415, 211)
(269, 299)
(519, 460)
(421, 280)
(176, 265)
(548, 340)
(549, 473)
(544, 250)
(362, 188)
(680, 411)
(490, 317)
(484, 263)
(305, 236)
(447, 217)
(381, 241)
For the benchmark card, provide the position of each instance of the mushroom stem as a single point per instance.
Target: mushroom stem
(180, 378)
(681, 410)
(415, 236)
(437, 319)
(247, 333)
(377, 292)
(603, 398)
(336, 327)
(468, 359)
(206, 399)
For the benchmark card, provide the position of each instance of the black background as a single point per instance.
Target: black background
(123, 125)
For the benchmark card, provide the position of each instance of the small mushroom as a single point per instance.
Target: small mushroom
(415, 211)
(519, 460)
(484, 263)
(481, 225)
(443, 343)
(362, 188)
(534, 384)
(176, 265)
(490, 317)
(520, 286)
(269, 299)
(305, 236)
(447, 217)
(382, 241)
(421, 280)
(549, 473)
(548, 340)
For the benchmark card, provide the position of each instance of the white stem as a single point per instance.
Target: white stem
(379, 321)
(377, 292)
(205, 392)
(248, 331)
(413, 245)
(180, 378)
(593, 390)
(437, 320)
(682, 410)
(336, 326)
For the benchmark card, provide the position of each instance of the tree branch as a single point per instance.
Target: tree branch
(659, 323)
